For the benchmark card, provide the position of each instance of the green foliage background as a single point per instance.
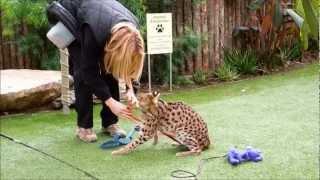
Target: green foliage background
(25, 24)
(31, 15)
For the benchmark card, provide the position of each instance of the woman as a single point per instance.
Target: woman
(107, 47)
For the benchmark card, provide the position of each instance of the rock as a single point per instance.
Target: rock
(28, 89)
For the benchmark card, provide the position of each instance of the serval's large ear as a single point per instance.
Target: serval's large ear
(155, 95)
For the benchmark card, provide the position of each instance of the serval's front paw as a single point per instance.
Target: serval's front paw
(155, 140)
(121, 151)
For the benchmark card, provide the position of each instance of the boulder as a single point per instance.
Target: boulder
(28, 89)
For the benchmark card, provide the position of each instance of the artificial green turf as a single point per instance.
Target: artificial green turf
(277, 114)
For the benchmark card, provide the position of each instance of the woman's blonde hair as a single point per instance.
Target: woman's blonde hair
(124, 54)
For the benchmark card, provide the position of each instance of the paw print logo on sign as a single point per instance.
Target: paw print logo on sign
(160, 28)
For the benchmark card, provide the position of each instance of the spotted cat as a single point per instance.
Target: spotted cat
(175, 120)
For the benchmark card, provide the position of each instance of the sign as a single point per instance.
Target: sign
(159, 33)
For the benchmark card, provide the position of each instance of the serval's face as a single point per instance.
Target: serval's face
(148, 101)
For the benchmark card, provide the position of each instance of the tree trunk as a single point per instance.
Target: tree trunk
(6, 53)
(179, 26)
(229, 22)
(204, 23)
(13, 54)
(197, 29)
(210, 4)
(216, 32)
(221, 31)
(188, 25)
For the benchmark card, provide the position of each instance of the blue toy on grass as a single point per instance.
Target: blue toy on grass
(117, 140)
(236, 157)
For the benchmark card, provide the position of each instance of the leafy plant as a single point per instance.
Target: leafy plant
(242, 61)
(139, 9)
(284, 55)
(308, 11)
(290, 54)
(225, 73)
(200, 77)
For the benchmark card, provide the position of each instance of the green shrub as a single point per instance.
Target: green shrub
(184, 46)
(182, 80)
(269, 60)
(296, 51)
(200, 77)
(244, 62)
(226, 73)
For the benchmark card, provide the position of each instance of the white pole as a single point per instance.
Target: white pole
(149, 72)
(170, 71)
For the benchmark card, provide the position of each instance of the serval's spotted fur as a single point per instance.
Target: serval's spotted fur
(175, 120)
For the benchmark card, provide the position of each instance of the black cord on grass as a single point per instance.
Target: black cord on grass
(183, 174)
(49, 155)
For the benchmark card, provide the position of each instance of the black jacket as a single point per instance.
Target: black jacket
(102, 15)
(92, 29)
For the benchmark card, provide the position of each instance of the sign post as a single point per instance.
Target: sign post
(159, 39)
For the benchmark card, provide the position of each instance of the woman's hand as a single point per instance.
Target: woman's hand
(131, 97)
(119, 109)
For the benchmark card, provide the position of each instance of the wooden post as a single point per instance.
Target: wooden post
(149, 72)
(65, 84)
